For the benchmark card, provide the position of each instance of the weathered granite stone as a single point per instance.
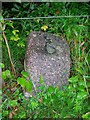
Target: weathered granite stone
(53, 63)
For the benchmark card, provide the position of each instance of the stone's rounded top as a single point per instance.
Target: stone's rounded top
(48, 55)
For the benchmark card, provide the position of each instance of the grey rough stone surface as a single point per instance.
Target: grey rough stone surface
(54, 68)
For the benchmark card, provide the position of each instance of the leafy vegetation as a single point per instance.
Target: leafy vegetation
(73, 100)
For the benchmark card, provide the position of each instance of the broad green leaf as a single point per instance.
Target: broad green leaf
(14, 38)
(29, 86)
(22, 82)
(73, 79)
(77, 108)
(32, 6)
(81, 83)
(3, 75)
(13, 103)
(81, 88)
(75, 85)
(15, 10)
(1, 65)
(7, 72)
(5, 113)
(25, 74)
(22, 114)
(50, 89)
(82, 95)
(34, 104)
(10, 24)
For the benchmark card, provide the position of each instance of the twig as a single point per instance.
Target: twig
(12, 65)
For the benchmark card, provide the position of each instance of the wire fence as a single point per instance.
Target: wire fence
(48, 17)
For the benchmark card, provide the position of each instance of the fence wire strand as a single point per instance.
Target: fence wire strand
(48, 17)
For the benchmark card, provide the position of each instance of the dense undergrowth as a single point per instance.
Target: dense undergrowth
(73, 100)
